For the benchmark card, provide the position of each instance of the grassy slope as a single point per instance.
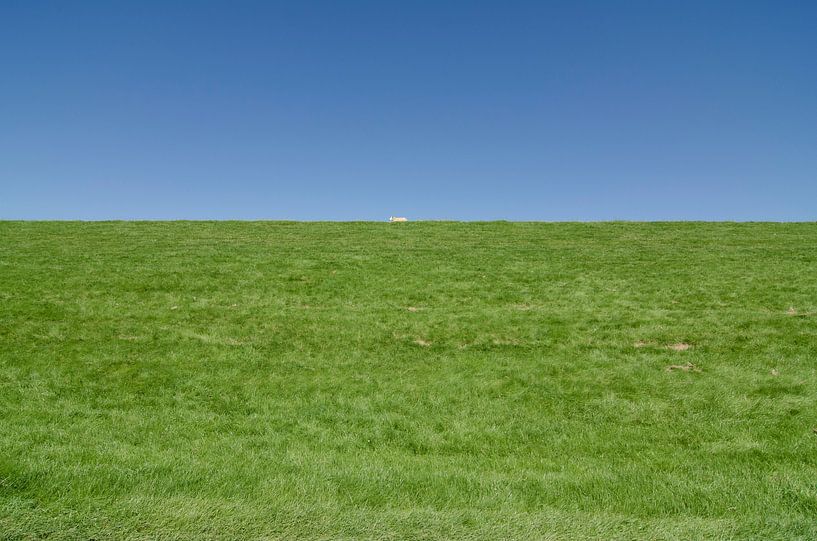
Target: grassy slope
(265, 380)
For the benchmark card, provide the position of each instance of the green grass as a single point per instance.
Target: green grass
(270, 380)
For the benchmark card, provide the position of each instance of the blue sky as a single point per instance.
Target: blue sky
(311, 110)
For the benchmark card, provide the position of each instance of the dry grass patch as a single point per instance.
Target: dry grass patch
(688, 367)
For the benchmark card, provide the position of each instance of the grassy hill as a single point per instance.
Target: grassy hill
(408, 381)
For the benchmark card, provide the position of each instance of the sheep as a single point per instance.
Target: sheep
(397, 219)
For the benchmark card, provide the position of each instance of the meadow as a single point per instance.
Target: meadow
(424, 380)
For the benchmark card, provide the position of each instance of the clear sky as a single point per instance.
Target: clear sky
(471, 110)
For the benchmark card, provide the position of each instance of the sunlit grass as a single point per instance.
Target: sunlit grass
(419, 380)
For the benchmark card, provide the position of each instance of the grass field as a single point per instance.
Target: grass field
(270, 380)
